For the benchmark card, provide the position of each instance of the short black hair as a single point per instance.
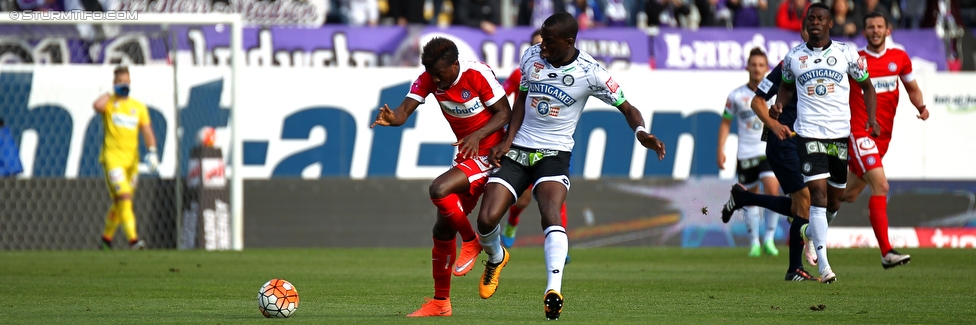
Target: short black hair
(875, 14)
(439, 50)
(564, 24)
(823, 6)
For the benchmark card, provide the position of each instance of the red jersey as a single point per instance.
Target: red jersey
(885, 69)
(511, 84)
(465, 103)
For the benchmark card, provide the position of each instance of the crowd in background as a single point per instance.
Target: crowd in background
(487, 14)
(785, 14)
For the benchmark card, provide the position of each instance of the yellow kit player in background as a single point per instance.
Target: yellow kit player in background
(124, 118)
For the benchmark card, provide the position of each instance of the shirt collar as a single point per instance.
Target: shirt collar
(829, 43)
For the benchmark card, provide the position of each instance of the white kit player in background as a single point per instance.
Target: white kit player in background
(557, 80)
(819, 69)
(751, 164)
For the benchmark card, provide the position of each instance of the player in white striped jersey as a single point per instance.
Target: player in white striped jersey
(751, 164)
(557, 80)
(819, 69)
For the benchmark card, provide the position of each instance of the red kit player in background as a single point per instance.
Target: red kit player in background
(508, 233)
(474, 104)
(885, 66)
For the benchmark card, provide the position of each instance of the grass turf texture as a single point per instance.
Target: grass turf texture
(372, 286)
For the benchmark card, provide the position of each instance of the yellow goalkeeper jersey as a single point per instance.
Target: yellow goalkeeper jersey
(122, 118)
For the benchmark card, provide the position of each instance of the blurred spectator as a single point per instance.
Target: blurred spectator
(438, 9)
(484, 14)
(615, 13)
(361, 12)
(790, 15)
(860, 11)
(745, 13)
(967, 13)
(587, 13)
(912, 12)
(844, 25)
(41, 5)
(863, 7)
(665, 12)
(334, 15)
(713, 13)
(932, 12)
(407, 12)
(534, 12)
(635, 11)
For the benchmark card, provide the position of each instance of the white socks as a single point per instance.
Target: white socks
(556, 248)
(492, 245)
(772, 222)
(817, 232)
(751, 214)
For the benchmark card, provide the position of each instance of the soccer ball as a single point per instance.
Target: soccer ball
(207, 136)
(277, 299)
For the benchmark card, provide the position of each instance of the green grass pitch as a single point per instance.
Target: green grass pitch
(375, 286)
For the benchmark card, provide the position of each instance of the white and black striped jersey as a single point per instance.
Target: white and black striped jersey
(556, 97)
(822, 87)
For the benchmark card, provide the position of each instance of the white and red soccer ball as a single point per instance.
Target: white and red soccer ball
(207, 136)
(277, 299)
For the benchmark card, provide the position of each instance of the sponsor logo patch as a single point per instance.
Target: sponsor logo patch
(568, 80)
(612, 85)
(542, 108)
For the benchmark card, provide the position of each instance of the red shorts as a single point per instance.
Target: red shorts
(865, 153)
(477, 171)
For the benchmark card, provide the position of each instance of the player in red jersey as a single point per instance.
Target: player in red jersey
(475, 105)
(885, 66)
(511, 86)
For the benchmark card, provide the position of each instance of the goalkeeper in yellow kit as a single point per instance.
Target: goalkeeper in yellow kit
(124, 118)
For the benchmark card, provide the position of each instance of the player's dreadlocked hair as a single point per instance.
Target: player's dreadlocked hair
(563, 23)
(438, 50)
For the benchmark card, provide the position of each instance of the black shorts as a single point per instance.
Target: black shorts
(824, 158)
(751, 170)
(517, 176)
(785, 163)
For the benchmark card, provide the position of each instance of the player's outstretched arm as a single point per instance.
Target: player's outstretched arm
(514, 124)
(501, 115)
(723, 134)
(395, 117)
(915, 95)
(871, 102)
(636, 122)
(101, 102)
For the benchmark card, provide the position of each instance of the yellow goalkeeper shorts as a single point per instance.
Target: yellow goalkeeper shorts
(121, 178)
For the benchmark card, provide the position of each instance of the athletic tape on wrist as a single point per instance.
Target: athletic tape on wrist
(639, 129)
